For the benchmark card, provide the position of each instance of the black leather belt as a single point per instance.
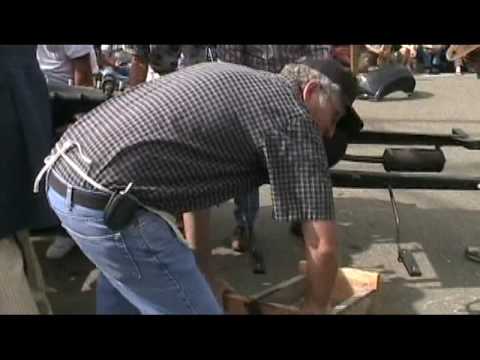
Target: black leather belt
(79, 197)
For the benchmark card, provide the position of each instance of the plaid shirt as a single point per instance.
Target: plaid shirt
(202, 135)
(270, 57)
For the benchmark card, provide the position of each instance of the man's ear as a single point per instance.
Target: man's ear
(310, 88)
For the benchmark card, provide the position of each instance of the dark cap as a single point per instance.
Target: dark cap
(338, 74)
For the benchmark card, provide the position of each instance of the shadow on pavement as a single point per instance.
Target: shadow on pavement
(401, 96)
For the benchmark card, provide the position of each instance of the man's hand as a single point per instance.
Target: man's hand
(321, 265)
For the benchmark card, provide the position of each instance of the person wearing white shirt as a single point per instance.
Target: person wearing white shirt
(65, 65)
(62, 64)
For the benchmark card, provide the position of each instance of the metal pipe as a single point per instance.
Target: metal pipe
(363, 159)
(402, 138)
(373, 180)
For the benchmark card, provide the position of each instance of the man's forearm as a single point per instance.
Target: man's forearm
(321, 275)
(82, 71)
(322, 264)
(138, 71)
(196, 225)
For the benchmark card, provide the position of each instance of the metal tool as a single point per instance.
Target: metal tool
(404, 255)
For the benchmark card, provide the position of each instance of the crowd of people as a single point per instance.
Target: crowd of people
(174, 145)
(428, 59)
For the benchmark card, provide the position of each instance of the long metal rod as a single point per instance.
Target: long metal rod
(458, 138)
(372, 180)
(363, 159)
(396, 217)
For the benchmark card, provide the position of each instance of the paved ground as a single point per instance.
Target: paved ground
(435, 225)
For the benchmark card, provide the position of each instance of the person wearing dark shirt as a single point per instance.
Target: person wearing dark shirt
(25, 140)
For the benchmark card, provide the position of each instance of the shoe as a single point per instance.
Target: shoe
(458, 70)
(473, 253)
(239, 239)
(60, 247)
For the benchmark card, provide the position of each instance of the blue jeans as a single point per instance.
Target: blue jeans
(123, 71)
(432, 60)
(246, 208)
(146, 263)
(110, 301)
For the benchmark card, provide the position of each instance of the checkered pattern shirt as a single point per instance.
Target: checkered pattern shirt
(202, 135)
(270, 57)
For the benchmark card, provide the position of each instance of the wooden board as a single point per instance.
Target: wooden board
(356, 292)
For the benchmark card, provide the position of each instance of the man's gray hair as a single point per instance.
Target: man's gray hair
(302, 74)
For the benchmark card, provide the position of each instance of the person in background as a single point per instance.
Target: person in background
(152, 61)
(458, 63)
(68, 64)
(407, 55)
(373, 56)
(25, 140)
(116, 57)
(65, 65)
(470, 56)
(433, 58)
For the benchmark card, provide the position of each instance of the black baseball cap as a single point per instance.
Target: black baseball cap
(351, 123)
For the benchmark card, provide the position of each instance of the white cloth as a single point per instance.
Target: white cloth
(151, 74)
(56, 61)
(15, 294)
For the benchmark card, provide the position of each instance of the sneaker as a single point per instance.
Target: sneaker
(458, 70)
(239, 239)
(473, 253)
(60, 247)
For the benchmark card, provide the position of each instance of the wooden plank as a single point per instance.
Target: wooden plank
(236, 304)
(358, 304)
(280, 286)
(350, 281)
(356, 292)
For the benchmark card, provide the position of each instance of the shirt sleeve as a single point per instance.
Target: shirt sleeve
(76, 51)
(299, 177)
